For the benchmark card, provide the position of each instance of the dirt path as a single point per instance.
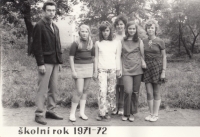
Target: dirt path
(172, 117)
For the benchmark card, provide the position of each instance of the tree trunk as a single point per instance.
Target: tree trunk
(26, 11)
(29, 28)
(179, 38)
(185, 46)
(183, 40)
(117, 7)
(193, 43)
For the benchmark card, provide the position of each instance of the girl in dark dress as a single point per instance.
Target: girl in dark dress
(132, 64)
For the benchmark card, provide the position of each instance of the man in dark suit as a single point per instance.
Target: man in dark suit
(47, 51)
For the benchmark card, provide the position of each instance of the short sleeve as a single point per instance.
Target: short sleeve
(162, 45)
(73, 49)
(93, 51)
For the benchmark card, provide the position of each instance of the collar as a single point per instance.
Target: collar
(46, 21)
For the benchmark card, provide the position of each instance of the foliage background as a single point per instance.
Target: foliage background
(179, 25)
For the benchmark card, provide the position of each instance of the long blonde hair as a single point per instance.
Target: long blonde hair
(79, 41)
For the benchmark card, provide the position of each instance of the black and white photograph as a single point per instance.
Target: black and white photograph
(100, 68)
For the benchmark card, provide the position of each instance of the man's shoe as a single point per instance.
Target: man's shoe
(53, 116)
(40, 120)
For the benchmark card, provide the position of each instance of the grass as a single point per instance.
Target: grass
(19, 83)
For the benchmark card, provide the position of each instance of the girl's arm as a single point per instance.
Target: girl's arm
(142, 49)
(71, 61)
(72, 53)
(96, 60)
(142, 53)
(120, 74)
(118, 59)
(163, 52)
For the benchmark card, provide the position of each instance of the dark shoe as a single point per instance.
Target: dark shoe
(53, 116)
(40, 120)
(115, 112)
(107, 116)
(99, 118)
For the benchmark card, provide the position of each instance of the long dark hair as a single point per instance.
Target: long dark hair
(102, 27)
(122, 18)
(135, 37)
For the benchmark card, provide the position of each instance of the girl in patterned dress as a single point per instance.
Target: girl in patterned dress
(155, 58)
(81, 62)
(132, 64)
(107, 67)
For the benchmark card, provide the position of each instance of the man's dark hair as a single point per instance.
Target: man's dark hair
(47, 3)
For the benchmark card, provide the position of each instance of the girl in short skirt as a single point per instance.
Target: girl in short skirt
(81, 61)
(107, 66)
(155, 58)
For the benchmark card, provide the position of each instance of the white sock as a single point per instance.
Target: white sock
(82, 109)
(73, 109)
(150, 104)
(156, 106)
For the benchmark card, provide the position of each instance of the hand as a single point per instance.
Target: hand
(42, 69)
(74, 75)
(95, 76)
(119, 73)
(60, 68)
(144, 66)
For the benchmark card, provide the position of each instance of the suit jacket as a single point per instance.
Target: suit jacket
(46, 43)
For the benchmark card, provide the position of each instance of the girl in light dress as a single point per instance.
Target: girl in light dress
(107, 67)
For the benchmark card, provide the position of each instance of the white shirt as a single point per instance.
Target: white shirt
(108, 54)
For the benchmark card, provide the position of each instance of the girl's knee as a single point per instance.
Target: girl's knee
(85, 90)
(157, 95)
(136, 90)
(128, 91)
(79, 93)
(149, 93)
(75, 99)
(149, 96)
